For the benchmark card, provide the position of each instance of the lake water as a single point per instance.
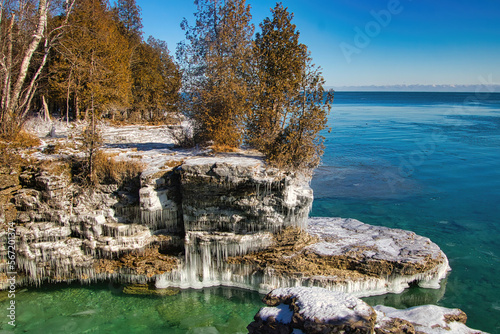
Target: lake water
(430, 163)
(426, 162)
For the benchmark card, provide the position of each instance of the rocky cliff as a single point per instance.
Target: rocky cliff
(205, 207)
(195, 219)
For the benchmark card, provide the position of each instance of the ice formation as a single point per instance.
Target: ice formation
(316, 310)
(209, 208)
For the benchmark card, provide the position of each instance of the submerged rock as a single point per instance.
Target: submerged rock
(148, 289)
(316, 310)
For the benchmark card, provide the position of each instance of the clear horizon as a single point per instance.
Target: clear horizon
(375, 43)
(473, 89)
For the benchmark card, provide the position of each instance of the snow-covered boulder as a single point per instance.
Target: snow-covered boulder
(316, 310)
(313, 310)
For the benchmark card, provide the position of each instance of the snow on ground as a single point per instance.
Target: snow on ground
(281, 313)
(154, 146)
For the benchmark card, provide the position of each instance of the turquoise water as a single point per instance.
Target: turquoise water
(427, 162)
(430, 163)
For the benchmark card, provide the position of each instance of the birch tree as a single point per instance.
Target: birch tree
(25, 44)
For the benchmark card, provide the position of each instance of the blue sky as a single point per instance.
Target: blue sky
(377, 42)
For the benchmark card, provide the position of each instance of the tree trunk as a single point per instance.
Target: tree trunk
(37, 37)
(46, 115)
(67, 97)
(92, 142)
(77, 107)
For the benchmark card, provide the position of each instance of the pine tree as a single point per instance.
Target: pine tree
(280, 65)
(96, 57)
(291, 106)
(216, 59)
(156, 80)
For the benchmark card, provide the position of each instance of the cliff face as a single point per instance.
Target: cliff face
(209, 208)
(196, 221)
(228, 206)
(241, 196)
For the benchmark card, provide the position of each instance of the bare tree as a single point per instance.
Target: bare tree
(25, 44)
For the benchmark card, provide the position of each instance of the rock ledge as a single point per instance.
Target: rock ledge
(316, 310)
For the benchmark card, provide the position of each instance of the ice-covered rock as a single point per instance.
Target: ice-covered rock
(428, 319)
(211, 209)
(316, 310)
(241, 194)
(397, 257)
(349, 256)
(220, 206)
(313, 310)
(160, 201)
(231, 205)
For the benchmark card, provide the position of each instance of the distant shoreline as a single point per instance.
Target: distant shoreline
(420, 88)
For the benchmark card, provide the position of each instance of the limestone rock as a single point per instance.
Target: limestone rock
(349, 256)
(211, 209)
(241, 195)
(316, 310)
(428, 319)
(313, 310)
(402, 256)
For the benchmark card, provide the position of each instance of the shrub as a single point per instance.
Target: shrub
(10, 148)
(109, 170)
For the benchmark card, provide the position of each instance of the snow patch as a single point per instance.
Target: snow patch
(281, 313)
(324, 305)
(428, 319)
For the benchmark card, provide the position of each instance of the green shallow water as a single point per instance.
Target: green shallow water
(426, 162)
(104, 308)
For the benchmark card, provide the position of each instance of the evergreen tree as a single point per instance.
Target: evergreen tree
(299, 145)
(216, 59)
(128, 14)
(291, 105)
(96, 59)
(156, 80)
(280, 66)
